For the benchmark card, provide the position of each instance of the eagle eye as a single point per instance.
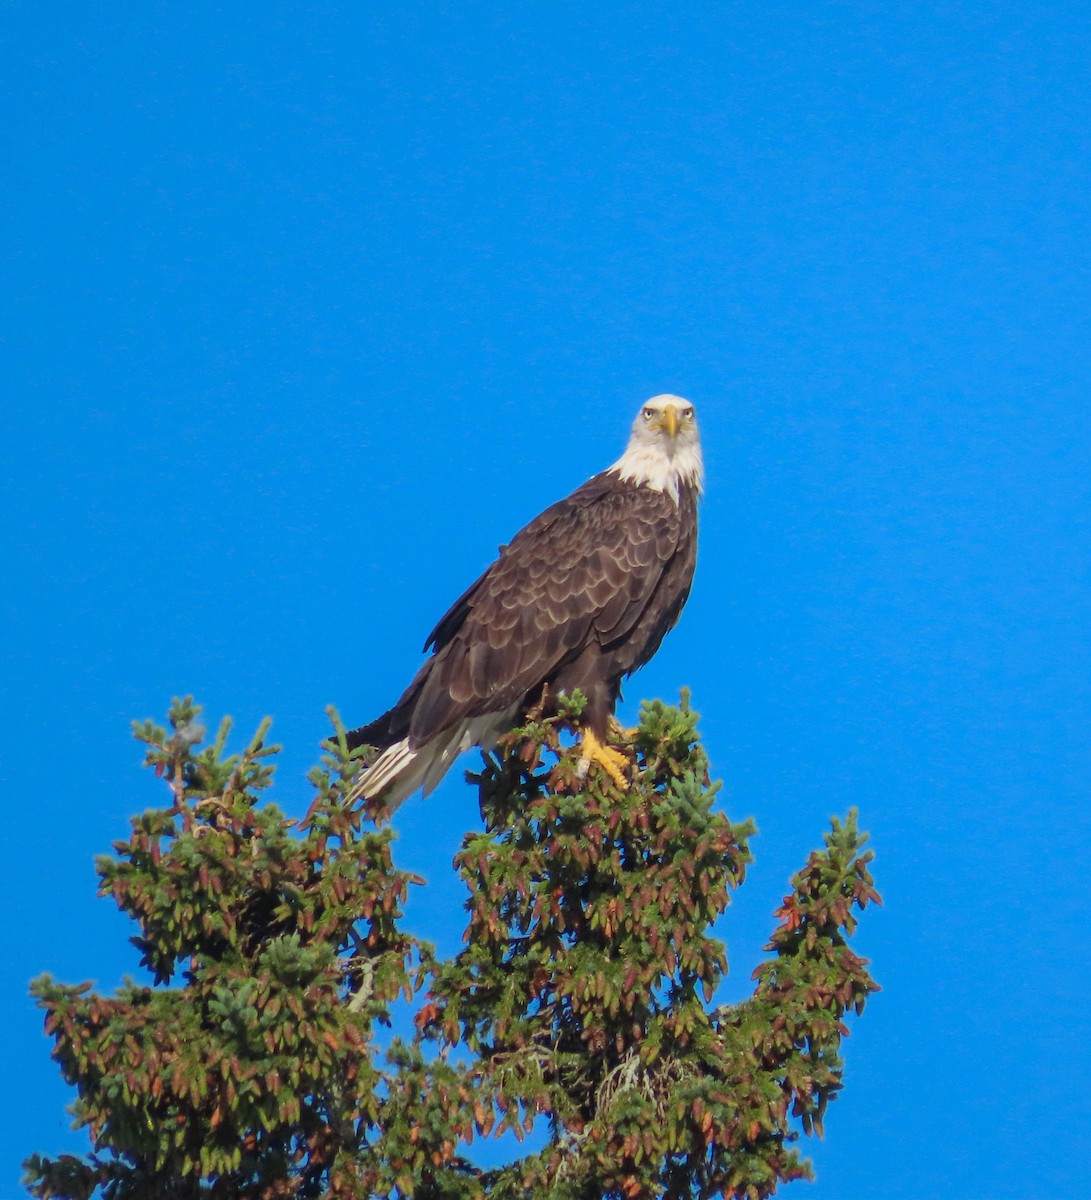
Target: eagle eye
(649, 414)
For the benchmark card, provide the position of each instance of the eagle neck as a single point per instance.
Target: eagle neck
(670, 474)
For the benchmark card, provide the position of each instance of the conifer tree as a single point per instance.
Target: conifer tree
(254, 1064)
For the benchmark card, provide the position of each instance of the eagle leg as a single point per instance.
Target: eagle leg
(619, 730)
(613, 762)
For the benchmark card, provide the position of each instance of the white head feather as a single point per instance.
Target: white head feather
(664, 450)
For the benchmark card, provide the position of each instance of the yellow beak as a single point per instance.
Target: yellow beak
(669, 421)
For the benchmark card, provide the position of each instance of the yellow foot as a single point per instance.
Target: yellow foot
(612, 761)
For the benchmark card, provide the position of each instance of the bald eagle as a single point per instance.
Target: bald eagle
(580, 598)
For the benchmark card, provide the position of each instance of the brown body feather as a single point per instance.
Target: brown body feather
(581, 597)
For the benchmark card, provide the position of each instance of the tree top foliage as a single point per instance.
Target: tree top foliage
(255, 1062)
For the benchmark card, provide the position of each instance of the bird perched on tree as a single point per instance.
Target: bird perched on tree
(580, 598)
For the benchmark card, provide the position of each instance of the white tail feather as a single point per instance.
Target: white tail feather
(399, 771)
(388, 766)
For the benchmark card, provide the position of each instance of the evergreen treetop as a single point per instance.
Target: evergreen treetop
(582, 1004)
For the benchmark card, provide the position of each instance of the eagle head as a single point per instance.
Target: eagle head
(667, 421)
(664, 450)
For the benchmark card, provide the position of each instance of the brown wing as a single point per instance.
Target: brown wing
(588, 567)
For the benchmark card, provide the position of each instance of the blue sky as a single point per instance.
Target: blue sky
(305, 311)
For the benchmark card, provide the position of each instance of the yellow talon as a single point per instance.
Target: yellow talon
(613, 762)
